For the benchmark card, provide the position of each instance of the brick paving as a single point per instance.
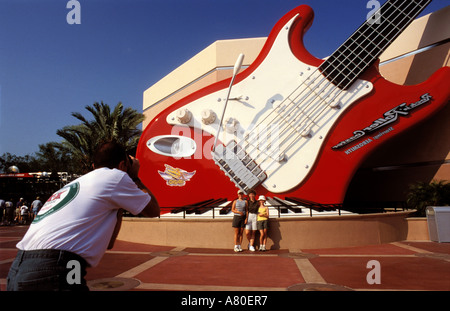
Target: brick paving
(405, 265)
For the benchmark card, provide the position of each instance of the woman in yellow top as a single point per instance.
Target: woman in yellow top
(262, 222)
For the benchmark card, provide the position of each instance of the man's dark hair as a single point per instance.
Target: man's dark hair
(109, 154)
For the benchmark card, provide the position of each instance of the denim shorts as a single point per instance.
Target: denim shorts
(47, 270)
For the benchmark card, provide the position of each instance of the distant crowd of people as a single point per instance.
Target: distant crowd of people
(21, 213)
(253, 215)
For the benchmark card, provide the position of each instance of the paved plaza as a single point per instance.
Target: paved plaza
(405, 265)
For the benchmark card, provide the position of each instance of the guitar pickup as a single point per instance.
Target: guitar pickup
(238, 166)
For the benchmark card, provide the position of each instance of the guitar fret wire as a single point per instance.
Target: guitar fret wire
(389, 40)
(291, 94)
(318, 115)
(360, 62)
(375, 22)
(266, 153)
(300, 137)
(312, 91)
(344, 55)
(315, 118)
(379, 33)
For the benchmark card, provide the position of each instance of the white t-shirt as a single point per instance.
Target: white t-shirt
(81, 217)
(24, 210)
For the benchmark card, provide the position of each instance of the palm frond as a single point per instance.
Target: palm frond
(119, 124)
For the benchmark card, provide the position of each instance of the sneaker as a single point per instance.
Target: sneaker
(251, 248)
(240, 248)
(236, 248)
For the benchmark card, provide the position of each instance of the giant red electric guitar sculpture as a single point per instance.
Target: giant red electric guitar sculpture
(295, 125)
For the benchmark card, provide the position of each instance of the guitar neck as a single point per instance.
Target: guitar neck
(366, 44)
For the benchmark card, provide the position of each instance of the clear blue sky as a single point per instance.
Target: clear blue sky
(49, 68)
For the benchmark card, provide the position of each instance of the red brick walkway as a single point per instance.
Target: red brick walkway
(130, 266)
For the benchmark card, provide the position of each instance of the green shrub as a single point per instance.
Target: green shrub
(423, 194)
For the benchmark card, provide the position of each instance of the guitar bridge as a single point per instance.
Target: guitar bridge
(238, 166)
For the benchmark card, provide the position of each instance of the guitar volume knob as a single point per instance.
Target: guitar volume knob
(208, 116)
(184, 116)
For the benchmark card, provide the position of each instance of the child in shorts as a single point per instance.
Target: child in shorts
(262, 222)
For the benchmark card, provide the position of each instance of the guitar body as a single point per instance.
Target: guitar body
(319, 164)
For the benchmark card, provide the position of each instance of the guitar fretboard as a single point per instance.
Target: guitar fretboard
(366, 44)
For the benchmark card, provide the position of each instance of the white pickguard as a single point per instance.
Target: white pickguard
(268, 91)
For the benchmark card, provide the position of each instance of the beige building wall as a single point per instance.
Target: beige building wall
(283, 233)
(422, 154)
(213, 64)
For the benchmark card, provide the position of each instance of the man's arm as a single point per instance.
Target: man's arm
(116, 228)
(152, 209)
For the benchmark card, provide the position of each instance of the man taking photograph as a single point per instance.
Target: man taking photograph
(79, 222)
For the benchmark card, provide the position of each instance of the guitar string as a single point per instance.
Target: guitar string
(321, 89)
(283, 117)
(312, 91)
(298, 136)
(362, 61)
(295, 107)
(286, 106)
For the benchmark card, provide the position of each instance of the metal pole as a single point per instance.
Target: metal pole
(237, 66)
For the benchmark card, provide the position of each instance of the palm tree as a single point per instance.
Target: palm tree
(423, 194)
(52, 157)
(120, 125)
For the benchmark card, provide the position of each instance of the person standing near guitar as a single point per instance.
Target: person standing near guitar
(263, 222)
(250, 226)
(240, 209)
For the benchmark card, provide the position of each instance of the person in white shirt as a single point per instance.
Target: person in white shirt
(79, 222)
(35, 207)
(23, 214)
